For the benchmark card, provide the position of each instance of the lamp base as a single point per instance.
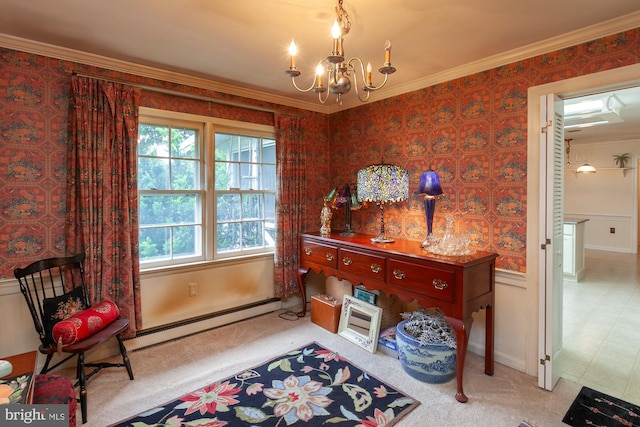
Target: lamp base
(381, 238)
(430, 240)
(348, 231)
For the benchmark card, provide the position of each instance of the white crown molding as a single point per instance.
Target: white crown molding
(594, 32)
(65, 54)
(583, 35)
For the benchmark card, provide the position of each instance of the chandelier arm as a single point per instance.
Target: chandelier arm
(322, 101)
(313, 85)
(352, 68)
(384, 82)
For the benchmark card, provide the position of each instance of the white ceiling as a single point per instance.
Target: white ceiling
(244, 42)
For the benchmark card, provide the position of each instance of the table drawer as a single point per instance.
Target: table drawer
(317, 253)
(433, 282)
(362, 264)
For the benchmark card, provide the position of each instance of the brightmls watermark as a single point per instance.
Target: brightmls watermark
(34, 415)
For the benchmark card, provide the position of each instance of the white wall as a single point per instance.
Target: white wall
(607, 198)
(164, 299)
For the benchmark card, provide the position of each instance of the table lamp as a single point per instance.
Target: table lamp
(430, 187)
(380, 184)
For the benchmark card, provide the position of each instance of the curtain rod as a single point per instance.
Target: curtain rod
(178, 93)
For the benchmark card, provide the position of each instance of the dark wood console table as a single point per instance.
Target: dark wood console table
(459, 285)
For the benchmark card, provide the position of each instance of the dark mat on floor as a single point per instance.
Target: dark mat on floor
(593, 408)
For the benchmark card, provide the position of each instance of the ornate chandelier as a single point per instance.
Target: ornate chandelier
(336, 71)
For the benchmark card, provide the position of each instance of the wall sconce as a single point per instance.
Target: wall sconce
(383, 184)
(431, 188)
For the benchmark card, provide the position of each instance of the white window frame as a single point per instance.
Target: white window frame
(210, 125)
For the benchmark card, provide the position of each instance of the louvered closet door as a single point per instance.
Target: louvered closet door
(551, 237)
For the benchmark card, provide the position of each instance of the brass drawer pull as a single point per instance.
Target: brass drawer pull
(399, 274)
(329, 257)
(346, 261)
(439, 284)
(307, 251)
(376, 268)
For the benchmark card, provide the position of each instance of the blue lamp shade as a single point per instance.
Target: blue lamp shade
(431, 188)
(430, 184)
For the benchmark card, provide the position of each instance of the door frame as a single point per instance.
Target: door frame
(618, 78)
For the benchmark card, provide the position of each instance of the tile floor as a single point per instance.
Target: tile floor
(601, 326)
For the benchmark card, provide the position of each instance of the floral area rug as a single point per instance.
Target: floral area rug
(310, 386)
(592, 408)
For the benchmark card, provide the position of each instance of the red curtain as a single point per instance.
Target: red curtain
(291, 188)
(102, 191)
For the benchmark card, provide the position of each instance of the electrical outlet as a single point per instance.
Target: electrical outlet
(193, 289)
(612, 230)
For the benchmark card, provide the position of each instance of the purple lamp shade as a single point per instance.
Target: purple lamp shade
(430, 184)
(431, 188)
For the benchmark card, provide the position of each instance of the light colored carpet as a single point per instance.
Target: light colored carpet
(167, 371)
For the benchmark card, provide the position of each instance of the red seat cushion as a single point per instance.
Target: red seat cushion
(85, 323)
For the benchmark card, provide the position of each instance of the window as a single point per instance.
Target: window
(206, 188)
(245, 184)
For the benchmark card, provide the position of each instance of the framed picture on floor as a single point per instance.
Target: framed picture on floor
(360, 322)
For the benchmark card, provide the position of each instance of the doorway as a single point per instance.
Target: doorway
(607, 80)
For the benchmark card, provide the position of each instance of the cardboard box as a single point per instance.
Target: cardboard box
(325, 312)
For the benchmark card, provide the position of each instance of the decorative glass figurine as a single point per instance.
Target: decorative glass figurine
(325, 219)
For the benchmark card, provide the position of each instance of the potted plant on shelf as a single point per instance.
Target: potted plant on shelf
(427, 346)
(621, 159)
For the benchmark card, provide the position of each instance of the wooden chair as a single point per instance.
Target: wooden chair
(53, 278)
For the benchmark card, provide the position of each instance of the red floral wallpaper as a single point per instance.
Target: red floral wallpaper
(34, 93)
(472, 130)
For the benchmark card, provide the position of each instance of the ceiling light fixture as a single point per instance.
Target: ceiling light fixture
(592, 112)
(336, 70)
(586, 168)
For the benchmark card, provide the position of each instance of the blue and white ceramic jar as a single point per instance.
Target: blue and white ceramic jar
(432, 363)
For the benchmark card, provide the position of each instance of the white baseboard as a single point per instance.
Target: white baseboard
(111, 348)
(498, 357)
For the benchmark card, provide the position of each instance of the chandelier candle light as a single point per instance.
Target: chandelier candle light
(336, 71)
(382, 184)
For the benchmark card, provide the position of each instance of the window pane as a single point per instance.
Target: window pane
(226, 147)
(270, 207)
(227, 176)
(169, 209)
(252, 235)
(252, 206)
(185, 175)
(250, 177)
(228, 207)
(228, 237)
(184, 143)
(186, 241)
(269, 177)
(154, 243)
(270, 234)
(153, 173)
(153, 140)
(250, 149)
(269, 151)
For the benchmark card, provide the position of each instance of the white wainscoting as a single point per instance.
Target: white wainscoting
(597, 233)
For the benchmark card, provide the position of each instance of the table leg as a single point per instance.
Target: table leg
(462, 329)
(488, 342)
(302, 285)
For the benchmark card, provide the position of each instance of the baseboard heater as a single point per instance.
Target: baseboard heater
(153, 336)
